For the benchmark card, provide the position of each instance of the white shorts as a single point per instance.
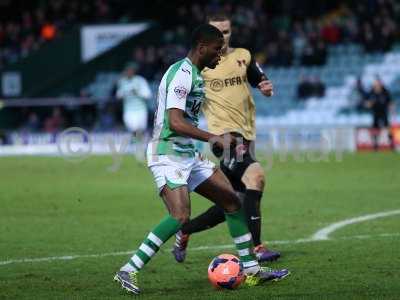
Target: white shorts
(178, 171)
(135, 120)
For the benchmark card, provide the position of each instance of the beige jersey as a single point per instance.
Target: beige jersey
(229, 105)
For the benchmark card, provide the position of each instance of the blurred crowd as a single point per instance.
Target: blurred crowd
(283, 38)
(26, 26)
(279, 34)
(55, 119)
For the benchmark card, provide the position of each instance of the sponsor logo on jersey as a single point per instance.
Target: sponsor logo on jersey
(179, 174)
(217, 84)
(185, 70)
(181, 92)
(241, 62)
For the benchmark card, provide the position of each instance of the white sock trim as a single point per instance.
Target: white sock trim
(244, 252)
(249, 264)
(155, 239)
(146, 249)
(137, 261)
(128, 268)
(252, 270)
(243, 238)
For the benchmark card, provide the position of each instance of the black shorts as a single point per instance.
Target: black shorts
(240, 158)
(380, 121)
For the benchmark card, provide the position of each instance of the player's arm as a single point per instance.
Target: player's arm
(178, 124)
(144, 90)
(258, 79)
(177, 93)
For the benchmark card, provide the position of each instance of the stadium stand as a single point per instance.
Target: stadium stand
(335, 43)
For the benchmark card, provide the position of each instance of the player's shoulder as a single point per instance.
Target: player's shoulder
(182, 68)
(139, 78)
(180, 73)
(242, 53)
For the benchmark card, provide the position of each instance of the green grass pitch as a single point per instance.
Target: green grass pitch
(50, 207)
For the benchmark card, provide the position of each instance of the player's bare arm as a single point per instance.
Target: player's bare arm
(182, 127)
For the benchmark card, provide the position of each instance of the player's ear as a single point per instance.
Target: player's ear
(202, 48)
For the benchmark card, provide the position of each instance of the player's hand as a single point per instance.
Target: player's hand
(266, 88)
(221, 143)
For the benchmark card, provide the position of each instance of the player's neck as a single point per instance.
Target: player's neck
(227, 51)
(195, 60)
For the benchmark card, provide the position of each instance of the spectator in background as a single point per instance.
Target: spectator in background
(299, 40)
(380, 103)
(106, 119)
(55, 122)
(330, 33)
(32, 124)
(304, 88)
(314, 53)
(310, 87)
(369, 38)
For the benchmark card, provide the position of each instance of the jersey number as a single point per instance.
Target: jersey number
(195, 107)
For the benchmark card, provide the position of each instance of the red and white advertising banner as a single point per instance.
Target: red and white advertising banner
(365, 138)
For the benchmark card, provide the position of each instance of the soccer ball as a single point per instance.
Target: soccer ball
(226, 271)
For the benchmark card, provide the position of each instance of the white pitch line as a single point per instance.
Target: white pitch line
(323, 234)
(66, 257)
(201, 248)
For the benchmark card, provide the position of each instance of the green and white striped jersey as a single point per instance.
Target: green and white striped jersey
(134, 91)
(182, 87)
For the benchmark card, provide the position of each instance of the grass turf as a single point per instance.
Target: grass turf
(51, 207)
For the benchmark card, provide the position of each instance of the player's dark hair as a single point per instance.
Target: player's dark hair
(206, 34)
(219, 16)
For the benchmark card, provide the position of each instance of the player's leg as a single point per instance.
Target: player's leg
(136, 123)
(386, 125)
(215, 214)
(210, 218)
(247, 176)
(171, 177)
(391, 139)
(177, 203)
(218, 189)
(375, 131)
(254, 181)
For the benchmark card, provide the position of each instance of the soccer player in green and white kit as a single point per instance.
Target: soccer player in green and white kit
(179, 169)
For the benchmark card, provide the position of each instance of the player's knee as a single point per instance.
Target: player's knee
(255, 180)
(260, 181)
(182, 216)
(231, 203)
